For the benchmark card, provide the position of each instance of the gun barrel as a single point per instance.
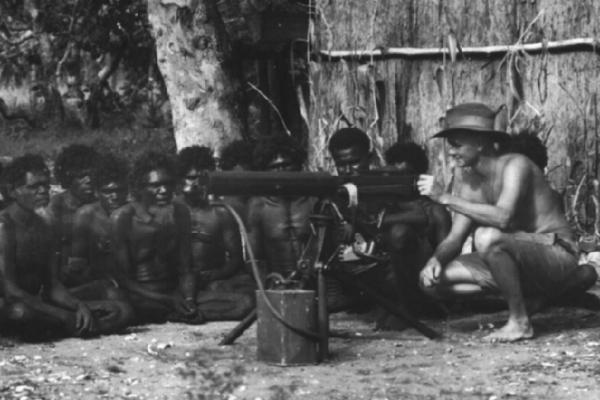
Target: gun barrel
(319, 184)
(259, 183)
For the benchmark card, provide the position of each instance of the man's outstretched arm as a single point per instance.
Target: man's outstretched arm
(515, 177)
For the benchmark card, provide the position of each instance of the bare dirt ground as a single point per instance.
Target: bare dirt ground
(175, 361)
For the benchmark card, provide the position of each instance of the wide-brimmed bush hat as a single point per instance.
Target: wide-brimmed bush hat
(475, 117)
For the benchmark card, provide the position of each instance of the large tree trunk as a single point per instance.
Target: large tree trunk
(191, 49)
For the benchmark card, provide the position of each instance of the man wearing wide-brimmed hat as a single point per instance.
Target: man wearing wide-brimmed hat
(524, 245)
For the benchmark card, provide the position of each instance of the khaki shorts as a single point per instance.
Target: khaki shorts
(544, 260)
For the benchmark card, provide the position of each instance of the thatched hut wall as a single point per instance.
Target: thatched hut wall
(398, 99)
(402, 99)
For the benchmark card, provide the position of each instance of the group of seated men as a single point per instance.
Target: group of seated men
(121, 246)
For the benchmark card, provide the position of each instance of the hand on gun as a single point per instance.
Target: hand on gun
(351, 252)
(429, 187)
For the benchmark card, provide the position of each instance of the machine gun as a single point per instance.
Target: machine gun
(319, 184)
(372, 185)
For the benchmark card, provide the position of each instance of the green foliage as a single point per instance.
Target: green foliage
(125, 142)
(95, 26)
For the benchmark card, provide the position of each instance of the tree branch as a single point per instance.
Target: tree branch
(582, 44)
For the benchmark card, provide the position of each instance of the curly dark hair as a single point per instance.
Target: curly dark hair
(110, 168)
(349, 137)
(269, 147)
(148, 162)
(15, 173)
(70, 160)
(198, 157)
(410, 153)
(528, 144)
(238, 152)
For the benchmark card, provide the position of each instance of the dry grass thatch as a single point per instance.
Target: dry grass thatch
(398, 99)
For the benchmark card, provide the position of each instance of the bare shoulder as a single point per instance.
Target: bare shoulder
(221, 209)
(514, 162)
(87, 211)
(124, 213)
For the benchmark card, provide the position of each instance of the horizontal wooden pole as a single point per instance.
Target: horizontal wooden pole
(577, 44)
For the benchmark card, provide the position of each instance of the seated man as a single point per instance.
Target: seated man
(350, 149)
(226, 291)
(412, 229)
(31, 296)
(409, 229)
(279, 226)
(525, 246)
(90, 266)
(151, 245)
(73, 170)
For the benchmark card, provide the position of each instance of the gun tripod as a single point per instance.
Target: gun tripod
(322, 222)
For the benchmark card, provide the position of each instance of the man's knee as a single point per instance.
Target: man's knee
(583, 278)
(399, 236)
(19, 312)
(126, 314)
(487, 239)
(452, 273)
(114, 293)
(112, 315)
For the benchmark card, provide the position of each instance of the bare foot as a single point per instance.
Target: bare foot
(512, 332)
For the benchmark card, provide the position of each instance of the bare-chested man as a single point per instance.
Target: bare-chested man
(73, 170)
(525, 247)
(151, 244)
(225, 290)
(413, 229)
(409, 229)
(32, 297)
(90, 266)
(279, 227)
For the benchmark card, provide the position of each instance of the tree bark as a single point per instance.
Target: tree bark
(192, 55)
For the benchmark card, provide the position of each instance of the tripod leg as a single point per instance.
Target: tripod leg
(395, 309)
(323, 316)
(239, 329)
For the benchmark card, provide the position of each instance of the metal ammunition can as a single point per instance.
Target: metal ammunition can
(277, 343)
